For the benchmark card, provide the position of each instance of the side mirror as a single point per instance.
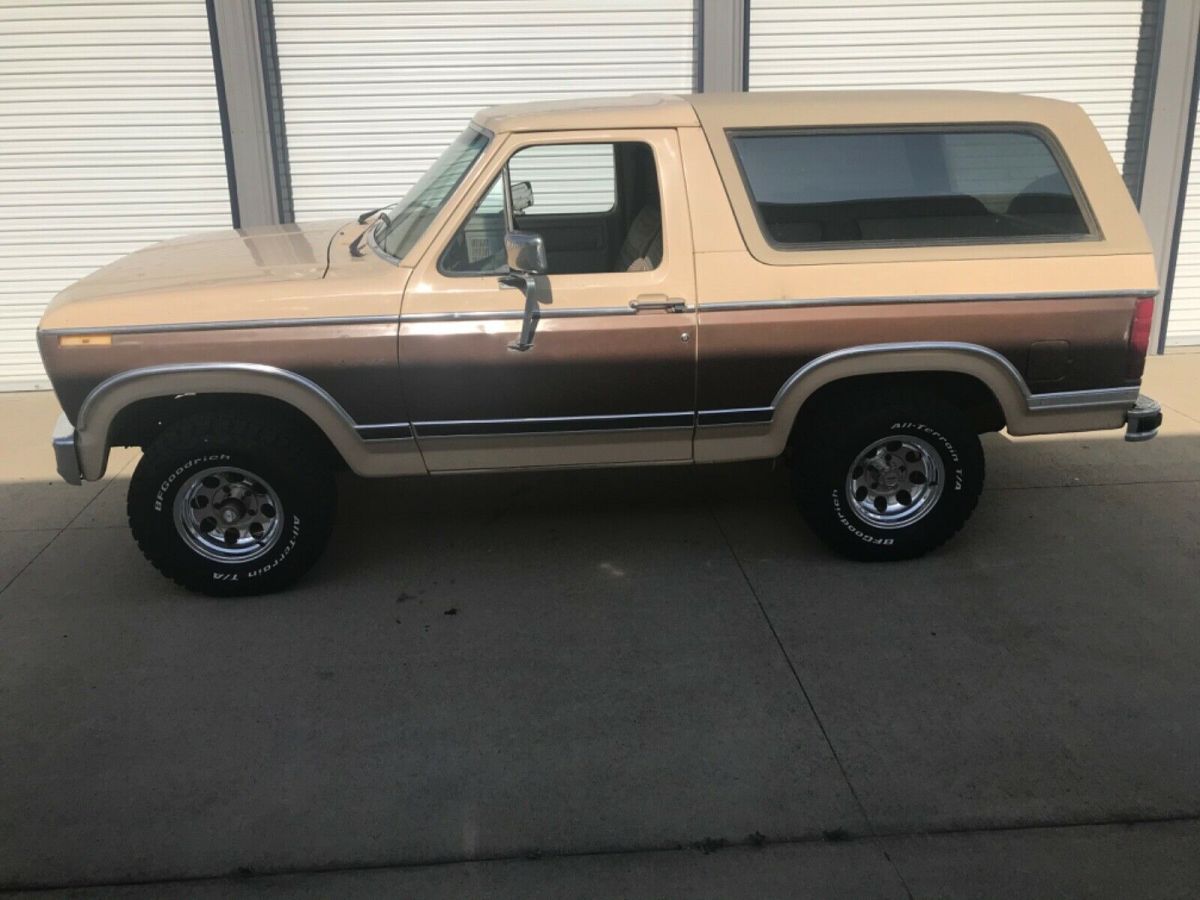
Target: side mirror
(522, 196)
(525, 253)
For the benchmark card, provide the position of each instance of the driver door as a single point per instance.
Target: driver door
(610, 377)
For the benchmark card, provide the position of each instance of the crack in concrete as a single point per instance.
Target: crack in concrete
(751, 842)
(807, 699)
(59, 532)
(1091, 484)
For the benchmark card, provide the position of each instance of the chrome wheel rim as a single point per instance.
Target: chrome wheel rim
(895, 482)
(228, 515)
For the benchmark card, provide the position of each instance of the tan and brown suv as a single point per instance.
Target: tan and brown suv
(869, 280)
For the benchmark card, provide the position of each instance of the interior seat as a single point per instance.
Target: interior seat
(1048, 202)
(642, 248)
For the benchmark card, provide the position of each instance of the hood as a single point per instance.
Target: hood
(197, 262)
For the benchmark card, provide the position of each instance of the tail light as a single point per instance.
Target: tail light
(1139, 335)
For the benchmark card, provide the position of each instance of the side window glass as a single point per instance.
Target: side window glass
(478, 247)
(567, 179)
(1015, 176)
(596, 206)
(966, 185)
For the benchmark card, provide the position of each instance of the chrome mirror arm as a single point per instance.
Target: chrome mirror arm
(529, 320)
(526, 256)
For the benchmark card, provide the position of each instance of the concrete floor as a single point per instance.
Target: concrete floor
(623, 683)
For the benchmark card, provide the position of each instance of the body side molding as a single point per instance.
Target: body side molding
(222, 325)
(893, 299)
(387, 449)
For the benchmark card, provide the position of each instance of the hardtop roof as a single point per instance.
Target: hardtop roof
(777, 109)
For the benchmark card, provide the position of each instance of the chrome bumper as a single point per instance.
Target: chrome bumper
(65, 455)
(1142, 422)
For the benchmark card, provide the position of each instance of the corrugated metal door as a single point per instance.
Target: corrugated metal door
(1080, 50)
(373, 90)
(1183, 321)
(111, 139)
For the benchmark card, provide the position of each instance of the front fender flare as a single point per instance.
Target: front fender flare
(102, 405)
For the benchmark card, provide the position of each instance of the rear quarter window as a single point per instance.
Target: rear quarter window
(919, 186)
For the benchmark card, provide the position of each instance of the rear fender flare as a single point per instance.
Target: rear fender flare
(993, 370)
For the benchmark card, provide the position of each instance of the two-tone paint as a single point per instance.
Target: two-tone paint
(408, 370)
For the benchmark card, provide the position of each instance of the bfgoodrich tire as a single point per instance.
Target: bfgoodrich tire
(229, 507)
(890, 479)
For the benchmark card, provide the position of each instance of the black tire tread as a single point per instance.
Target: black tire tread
(268, 439)
(831, 456)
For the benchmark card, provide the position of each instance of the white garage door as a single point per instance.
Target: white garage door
(1183, 322)
(1079, 50)
(373, 90)
(110, 138)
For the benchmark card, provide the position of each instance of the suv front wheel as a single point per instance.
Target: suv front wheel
(229, 507)
(894, 482)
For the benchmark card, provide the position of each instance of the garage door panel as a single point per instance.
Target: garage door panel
(390, 84)
(112, 140)
(1183, 322)
(1085, 51)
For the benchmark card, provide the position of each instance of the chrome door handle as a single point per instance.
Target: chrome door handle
(658, 301)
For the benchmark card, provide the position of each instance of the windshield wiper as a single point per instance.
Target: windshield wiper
(362, 220)
(355, 247)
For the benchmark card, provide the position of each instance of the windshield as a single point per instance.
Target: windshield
(401, 224)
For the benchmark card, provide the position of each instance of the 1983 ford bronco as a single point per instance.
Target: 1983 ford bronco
(860, 282)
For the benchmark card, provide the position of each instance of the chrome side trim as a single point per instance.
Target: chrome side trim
(225, 325)
(753, 415)
(583, 312)
(556, 424)
(387, 448)
(388, 431)
(705, 418)
(736, 305)
(553, 424)
(517, 315)
(429, 439)
(1083, 399)
(669, 304)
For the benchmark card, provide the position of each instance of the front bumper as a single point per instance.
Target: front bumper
(66, 455)
(1143, 420)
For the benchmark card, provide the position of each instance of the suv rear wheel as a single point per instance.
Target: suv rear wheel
(897, 480)
(228, 507)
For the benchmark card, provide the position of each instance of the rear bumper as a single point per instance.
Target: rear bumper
(66, 454)
(1143, 420)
